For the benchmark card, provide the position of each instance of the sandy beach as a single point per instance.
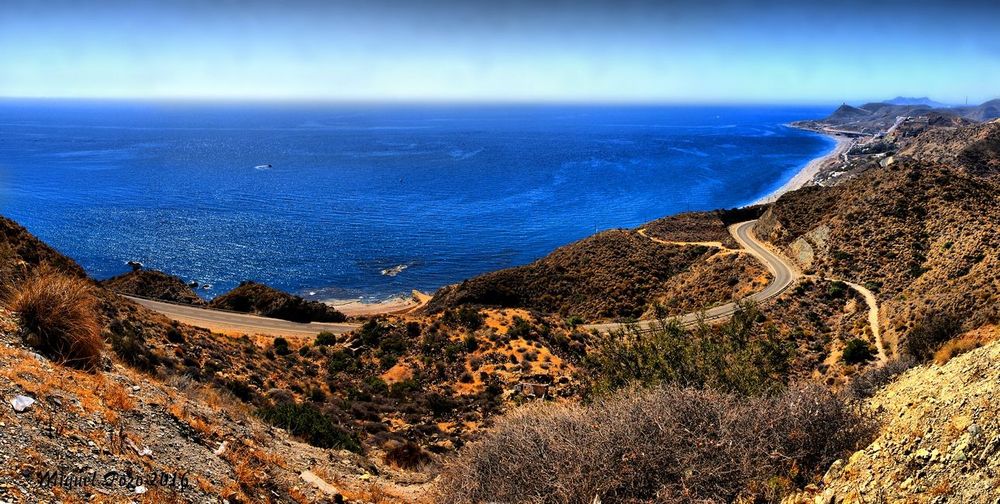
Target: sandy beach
(810, 170)
(401, 304)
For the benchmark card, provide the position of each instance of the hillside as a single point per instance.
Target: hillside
(260, 299)
(21, 252)
(153, 285)
(924, 237)
(618, 274)
(975, 148)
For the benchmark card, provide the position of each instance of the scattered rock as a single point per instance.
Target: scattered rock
(21, 403)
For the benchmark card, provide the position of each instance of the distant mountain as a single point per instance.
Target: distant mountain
(873, 118)
(985, 112)
(846, 113)
(907, 100)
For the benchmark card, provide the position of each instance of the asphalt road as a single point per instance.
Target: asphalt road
(240, 322)
(782, 270)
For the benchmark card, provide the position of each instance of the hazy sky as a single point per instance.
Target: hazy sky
(586, 50)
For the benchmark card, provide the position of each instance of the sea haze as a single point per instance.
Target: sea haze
(354, 192)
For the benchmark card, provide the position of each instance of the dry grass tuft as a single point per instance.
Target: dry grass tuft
(60, 316)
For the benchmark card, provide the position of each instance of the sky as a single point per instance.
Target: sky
(462, 50)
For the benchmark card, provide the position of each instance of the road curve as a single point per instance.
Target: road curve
(782, 270)
(239, 322)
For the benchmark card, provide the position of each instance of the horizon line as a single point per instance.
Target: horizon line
(450, 101)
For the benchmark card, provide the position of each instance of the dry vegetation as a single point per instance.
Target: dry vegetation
(666, 444)
(718, 279)
(613, 274)
(59, 317)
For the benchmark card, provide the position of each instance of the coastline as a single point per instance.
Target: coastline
(808, 173)
(393, 305)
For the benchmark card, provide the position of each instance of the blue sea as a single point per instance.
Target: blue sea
(346, 201)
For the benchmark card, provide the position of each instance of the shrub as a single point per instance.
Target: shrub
(407, 456)
(341, 360)
(316, 394)
(60, 317)
(572, 321)
(930, 333)
(325, 338)
(519, 328)
(309, 423)
(402, 388)
(174, 334)
(129, 342)
(465, 316)
(471, 343)
(865, 384)
(372, 332)
(733, 357)
(836, 290)
(665, 444)
(281, 346)
(858, 351)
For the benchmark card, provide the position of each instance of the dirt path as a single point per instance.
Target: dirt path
(713, 244)
(873, 321)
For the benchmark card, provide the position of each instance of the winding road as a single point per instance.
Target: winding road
(782, 270)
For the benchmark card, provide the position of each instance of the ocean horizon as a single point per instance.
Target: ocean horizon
(347, 201)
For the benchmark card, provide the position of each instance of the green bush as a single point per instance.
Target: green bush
(325, 338)
(281, 346)
(341, 360)
(311, 424)
(732, 357)
(372, 332)
(858, 351)
(572, 321)
(930, 333)
(465, 316)
(836, 290)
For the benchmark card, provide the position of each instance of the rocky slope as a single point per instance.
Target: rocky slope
(21, 252)
(120, 435)
(939, 439)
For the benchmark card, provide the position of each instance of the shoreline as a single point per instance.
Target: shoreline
(393, 305)
(814, 167)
